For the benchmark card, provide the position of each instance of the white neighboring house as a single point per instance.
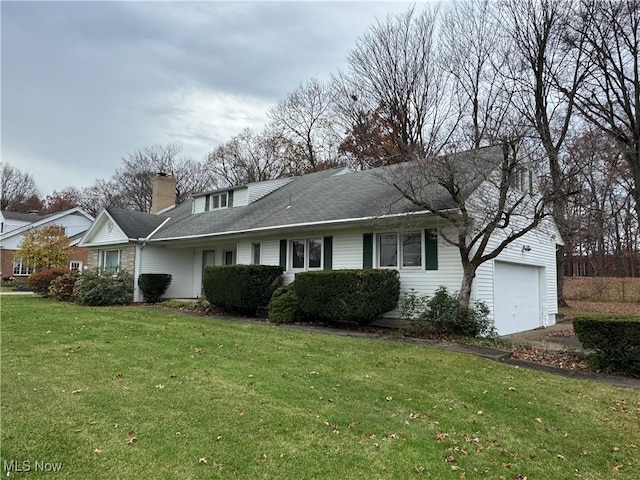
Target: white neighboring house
(334, 219)
(74, 221)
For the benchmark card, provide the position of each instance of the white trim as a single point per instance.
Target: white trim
(44, 221)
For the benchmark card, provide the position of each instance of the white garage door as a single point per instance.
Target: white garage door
(516, 297)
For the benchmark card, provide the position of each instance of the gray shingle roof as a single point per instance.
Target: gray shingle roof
(322, 197)
(136, 224)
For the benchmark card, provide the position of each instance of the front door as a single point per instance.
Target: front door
(208, 260)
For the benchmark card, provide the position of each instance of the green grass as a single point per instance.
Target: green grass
(132, 392)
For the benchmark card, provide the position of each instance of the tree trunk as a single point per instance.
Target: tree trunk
(464, 296)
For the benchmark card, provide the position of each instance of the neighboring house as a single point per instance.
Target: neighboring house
(75, 223)
(335, 219)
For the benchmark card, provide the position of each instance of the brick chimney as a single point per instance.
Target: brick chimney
(164, 192)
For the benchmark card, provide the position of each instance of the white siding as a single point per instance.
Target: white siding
(241, 197)
(347, 250)
(177, 262)
(199, 204)
(106, 237)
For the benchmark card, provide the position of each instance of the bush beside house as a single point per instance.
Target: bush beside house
(153, 285)
(241, 288)
(95, 288)
(284, 306)
(40, 281)
(359, 296)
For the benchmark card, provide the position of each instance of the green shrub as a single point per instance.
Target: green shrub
(359, 296)
(241, 288)
(40, 281)
(412, 305)
(153, 286)
(440, 317)
(616, 342)
(98, 288)
(284, 306)
(61, 288)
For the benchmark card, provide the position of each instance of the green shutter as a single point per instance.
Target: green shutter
(283, 254)
(431, 249)
(328, 253)
(207, 203)
(367, 250)
(230, 199)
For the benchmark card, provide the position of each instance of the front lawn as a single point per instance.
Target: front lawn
(134, 392)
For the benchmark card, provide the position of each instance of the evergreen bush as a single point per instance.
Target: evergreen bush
(616, 342)
(284, 306)
(153, 286)
(241, 288)
(359, 296)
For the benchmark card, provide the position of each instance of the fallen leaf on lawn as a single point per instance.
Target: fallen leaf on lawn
(417, 469)
(441, 436)
(241, 412)
(511, 389)
(389, 399)
(480, 412)
(393, 436)
(97, 451)
(262, 457)
(159, 386)
(449, 459)
(538, 419)
(93, 423)
(132, 440)
(561, 457)
(202, 460)
(76, 391)
(617, 467)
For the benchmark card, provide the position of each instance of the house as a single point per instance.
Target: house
(334, 219)
(74, 221)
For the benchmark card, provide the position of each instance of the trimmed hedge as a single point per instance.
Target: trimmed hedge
(153, 285)
(615, 340)
(284, 306)
(359, 296)
(40, 281)
(241, 288)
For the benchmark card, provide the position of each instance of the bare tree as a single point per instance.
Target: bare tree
(547, 72)
(610, 98)
(18, 189)
(134, 181)
(100, 195)
(485, 198)
(395, 71)
(305, 117)
(248, 157)
(476, 54)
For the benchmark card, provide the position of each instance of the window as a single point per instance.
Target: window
(400, 250)
(110, 260)
(228, 257)
(255, 253)
(20, 268)
(216, 201)
(75, 265)
(306, 254)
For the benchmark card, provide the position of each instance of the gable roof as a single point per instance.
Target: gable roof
(136, 225)
(24, 217)
(39, 220)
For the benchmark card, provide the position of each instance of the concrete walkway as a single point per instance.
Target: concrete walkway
(555, 337)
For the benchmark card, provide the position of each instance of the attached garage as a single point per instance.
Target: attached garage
(518, 297)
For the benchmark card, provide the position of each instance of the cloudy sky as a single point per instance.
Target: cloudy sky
(86, 83)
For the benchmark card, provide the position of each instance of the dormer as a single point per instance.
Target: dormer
(234, 197)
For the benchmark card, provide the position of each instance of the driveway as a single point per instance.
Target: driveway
(556, 337)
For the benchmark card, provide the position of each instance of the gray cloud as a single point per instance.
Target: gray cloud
(84, 83)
